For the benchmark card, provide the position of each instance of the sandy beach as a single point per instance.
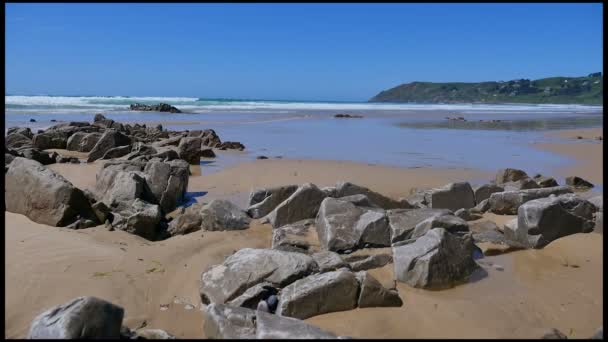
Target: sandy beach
(157, 282)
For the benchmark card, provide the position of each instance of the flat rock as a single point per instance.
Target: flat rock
(578, 182)
(269, 326)
(293, 237)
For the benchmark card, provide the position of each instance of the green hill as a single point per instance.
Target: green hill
(559, 90)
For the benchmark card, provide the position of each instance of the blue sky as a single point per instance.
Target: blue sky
(337, 52)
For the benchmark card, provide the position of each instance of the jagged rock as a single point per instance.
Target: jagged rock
(598, 202)
(403, 221)
(8, 158)
(522, 184)
(319, 294)
(452, 196)
(117, 152)
(166, 156)
(25, 131)
(50, 139)
(168, 183)
(269, 326)
(210, 138)
(263, 201)
(253, 296)
(554, 334)
(578, 182)
(207, 153)
(98, 117)
(161, 107)
(481, 207)
(330, 191)
(450, 223)
(367, 262)
(436, 260)
(102, 212)
(249, 267)
(543, 220)
(17, 140)
(467, 214)
(373, 294)
(154, 334)
(484, 191)
(359, 200)
(40, 156)
(342, 226)
(344, 189)
(111, 138)
(510, 175)
(80, 318)
(169, 142)
(124, 186)
(229, 322)
(328, 261)
(292, 237)
(188, 222)
(139, 218)
(546, 182)
(507, 202)
(42, 195)
(189, 149)
(223, 215)
(302, 204)
(88, 142)
(230, 145)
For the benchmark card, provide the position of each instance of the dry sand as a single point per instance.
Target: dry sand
(587, 152)
(46, 266)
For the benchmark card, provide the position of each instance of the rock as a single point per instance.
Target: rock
(253, 296)
(269, 326)
(111, 138)
(467, 214)
(139, 218)
(599, 334)
(578, 182)
(344, 189)
(25, 131)
(403, 221)
(169, 142)
(223, 215)
(348, 116)
(249, 267)
(168, 183)
(8, 158)
(303, 204)
(598, 202)
(261, 157)
(161, 107)
(50, 139)
(102, 212)
(167, 155)
(367, 262)
(141, 149)
(554, 334)
(189, 149)
(124, 186)
(328, 261)
(17, 140)
(510, 175)
(507, 202)
(40, 156)
(207, 153)
(292, 237)
(373, 294)
(185, 223)
(32, 120)
(42, 195)
(117, 152)
(210, 138)
(522, 184)
(330, 191)
(481, 207)
(436, 260)
(342, 226)
(543, 220)
(263, 201)
(154, 334)
(99, 117)
(546, 182)
(452, 196)
(80, 318)
(88, 142)
(484, 191)
(359, 200)
(230, 145)
(450, 223)
(229, 322)
(319, 294)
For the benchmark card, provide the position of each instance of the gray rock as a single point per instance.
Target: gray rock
(88, 142)
(328, 261)
(319, 294)
(330, 191)
(403, 221)
(269, 326)
(73, 143)
(543, 220)
(263, 201)
(599, 334)
(250, 298)
(359, 200)
(17, 140)
(50, 139)
(598, 202)
(344, 189)
(373, 294)
(189, 149)
(482, 206)
(509, 175)
(42, 195)
(507, 202)
(452, 196)
(169, 142)
(450, 223)
(223, 215)
(102, 212)
(229, 322)
(139, 218)
(249, 267)
(117, 152)
(546, 182)
(467, 214)
(436, 260)
(554, 334)
(185, 223)
(40, 156)
(484, 191)
(302, 204)
(111, 138)
(292, 237)
(367, 262)
(207, 153)
(522, 184)
(154, 334)
(168, 183)
(25, 131)
(80, 318)
(578, 182)
(123, 186)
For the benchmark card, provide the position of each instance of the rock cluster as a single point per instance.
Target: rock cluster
(161, 107)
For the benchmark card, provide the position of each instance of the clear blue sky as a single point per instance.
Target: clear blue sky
(290, 51)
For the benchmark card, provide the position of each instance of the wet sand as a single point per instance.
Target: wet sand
(47, 266)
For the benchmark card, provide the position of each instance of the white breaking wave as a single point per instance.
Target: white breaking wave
(58, 101)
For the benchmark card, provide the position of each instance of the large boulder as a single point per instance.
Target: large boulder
(111, 138)
(249, 267)
(42, 195)
(17, 140)
(117, 152)
(210, 138)
(139, 218)
(124, 187)
(451, 223)
(436, 260)
(186, 222)
(367, 262)
(35, 154)
(507, 202)
(302, 204)
(80, 318)
(342, 226)
(189, 149)
(452, 196)
(509, 175)
(25, 131)
(269, 326)
(263, 201)
(545, 182)
(50, 139)
(373, 294)
(293, 237)
(484, 191)
(403, 221)
(578, 182)
(319, 294)
(168, 183)
(543, 220)
(73, 143)
(223, 215)
(522, 184)
(328, 261)
(344, 189)
(89, 141)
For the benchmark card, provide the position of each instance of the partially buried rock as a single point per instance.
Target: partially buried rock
(344, 189)
(40, 156)
(484, 191)
(578, 182)
(507, 202)
(452, 196)
(80, 318)
(117, 152)
(231, 145)
(207, 153)
(403, 221)
(303, 204)
(223, 215)
(269, 326)
(263, 201)
(554, 334)
(293, 237)
(468, 214)
(187, 222)
(509, 175)
(328, 261)
(436, 260)
(139, 218)
(373, 294)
